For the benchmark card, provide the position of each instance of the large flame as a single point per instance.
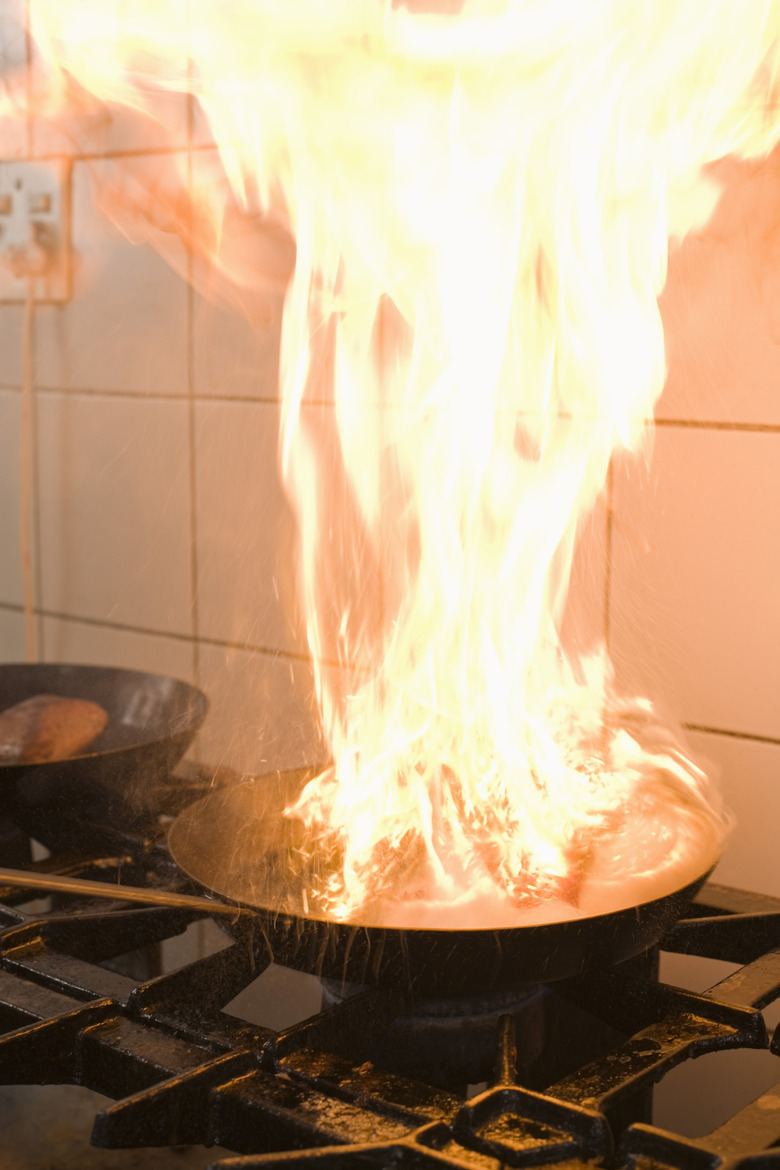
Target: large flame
(481, 197)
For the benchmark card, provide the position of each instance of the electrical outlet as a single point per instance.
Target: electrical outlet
(35, 231)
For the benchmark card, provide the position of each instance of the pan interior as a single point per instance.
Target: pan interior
(239, 844)
(141, 707)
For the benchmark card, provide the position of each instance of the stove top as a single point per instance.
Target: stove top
(557, 1076)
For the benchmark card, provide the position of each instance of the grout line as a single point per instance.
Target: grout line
(250, 647)
(120, 153)
(90, 156)
(32, 519)
(145, 395)
(269, 400)
(36, 494)
(191, 430)
(729, 734)
(159, 395)
(708, 425)
(131, 395)
(26, 479)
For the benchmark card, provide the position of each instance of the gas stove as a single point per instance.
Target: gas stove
(91, 993)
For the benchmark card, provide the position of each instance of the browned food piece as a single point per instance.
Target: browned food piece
(48, 727)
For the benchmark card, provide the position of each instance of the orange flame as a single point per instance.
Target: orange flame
(481, 202)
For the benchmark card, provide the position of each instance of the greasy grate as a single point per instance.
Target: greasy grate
(182, 1071)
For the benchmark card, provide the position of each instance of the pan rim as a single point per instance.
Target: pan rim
(691, 884)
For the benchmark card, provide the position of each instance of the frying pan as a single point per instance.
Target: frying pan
(237, 843)
(119, 776)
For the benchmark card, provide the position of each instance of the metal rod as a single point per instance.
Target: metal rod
(56, 884)
(505, 1072)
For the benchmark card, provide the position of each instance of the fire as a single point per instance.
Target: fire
(481, 197)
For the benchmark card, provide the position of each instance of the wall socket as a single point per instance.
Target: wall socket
(35, 240)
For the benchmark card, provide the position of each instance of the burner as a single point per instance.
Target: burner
(555, 1075)
(452, 1042)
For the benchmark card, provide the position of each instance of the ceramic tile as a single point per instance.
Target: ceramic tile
(75, 122)
(721, 306)
(12, 638)
(746, 772)
(98, 645)
(125, 329)
(696, 577)
(242, 269)
(99, 129)
(11, 342)
(13, 69)
(11, 587)
(201, 133)
(13, 46)
(246, 531)
(115, 510)
(231, 358)
(262, 713)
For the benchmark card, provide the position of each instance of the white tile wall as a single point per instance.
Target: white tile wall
(115, 510)
(85, 126)
(256, 256)
(125, 330)
(11, 340)
(696, 576)
(11, 587)
(749, 776)
(261, 716)
(12, 640)
(231, 358)
(94, 129)
(13, 60)
(721, 306)
(66, 640)
(246, 531)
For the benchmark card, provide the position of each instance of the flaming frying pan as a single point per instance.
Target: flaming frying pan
(237, 844)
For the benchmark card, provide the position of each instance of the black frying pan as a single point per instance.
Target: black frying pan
(116, 779)
(236, 843)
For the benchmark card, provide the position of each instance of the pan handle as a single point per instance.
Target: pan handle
(54, 884)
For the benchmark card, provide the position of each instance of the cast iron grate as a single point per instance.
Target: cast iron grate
(182, 1071)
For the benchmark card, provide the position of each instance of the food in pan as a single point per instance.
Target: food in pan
(48, 727)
